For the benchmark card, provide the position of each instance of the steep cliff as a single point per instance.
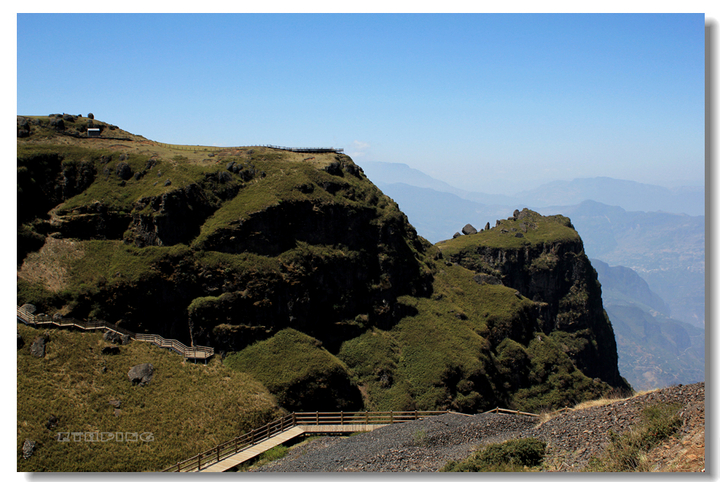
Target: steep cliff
(544, 260)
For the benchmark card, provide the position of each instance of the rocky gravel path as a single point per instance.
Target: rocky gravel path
(427, 445)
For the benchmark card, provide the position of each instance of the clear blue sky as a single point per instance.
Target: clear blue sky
(494, 103)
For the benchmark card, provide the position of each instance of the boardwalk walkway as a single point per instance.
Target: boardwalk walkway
(189, 352)
(234, 452)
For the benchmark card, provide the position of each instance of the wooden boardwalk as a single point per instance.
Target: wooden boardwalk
(189, 352)
(234, 452)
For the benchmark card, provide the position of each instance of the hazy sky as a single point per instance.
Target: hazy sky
(488, 102)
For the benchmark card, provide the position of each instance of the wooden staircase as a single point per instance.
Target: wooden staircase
(189, 352)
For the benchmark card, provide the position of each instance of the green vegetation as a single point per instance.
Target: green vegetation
(298, 371)
(528, 229)
(307, 280)
(519, 455)
(627, 452)
(188, 408)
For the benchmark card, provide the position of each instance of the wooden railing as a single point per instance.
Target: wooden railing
(259, 435)
(513, 412)
(215, 148)
(203, 352)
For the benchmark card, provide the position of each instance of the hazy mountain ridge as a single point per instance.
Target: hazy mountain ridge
(665, 250)
(654, 350)
(630, 195)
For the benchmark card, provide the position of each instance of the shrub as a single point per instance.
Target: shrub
(627, 452)
(511, 456)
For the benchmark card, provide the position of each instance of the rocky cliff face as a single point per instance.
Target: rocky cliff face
(544, 260)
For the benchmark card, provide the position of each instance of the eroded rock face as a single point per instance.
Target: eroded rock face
(558, 276)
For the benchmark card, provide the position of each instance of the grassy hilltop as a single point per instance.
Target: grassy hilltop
(307, 280)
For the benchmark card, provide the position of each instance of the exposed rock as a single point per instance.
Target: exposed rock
(23, 127)
(124, 171)
(487, 226)
(223, 177)
(28, 448)
(114, 402)
(141, 374)
(57, 124)
(469, 229)
(334, 168)
(113, 337)
(37, 349)
(456, 235)
(486, 279)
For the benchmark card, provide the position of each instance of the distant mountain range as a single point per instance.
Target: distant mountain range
(654, 350)
(653, 237)
(630, 195)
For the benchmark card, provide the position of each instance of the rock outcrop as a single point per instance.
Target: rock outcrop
(549, 266)
(141, 374)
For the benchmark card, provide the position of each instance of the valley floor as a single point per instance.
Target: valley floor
(573, 437)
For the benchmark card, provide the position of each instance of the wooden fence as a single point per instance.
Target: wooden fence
(513, 412)
(193, 352)
(258, 435)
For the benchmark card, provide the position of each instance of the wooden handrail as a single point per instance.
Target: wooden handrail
(175, 345)
(513, 412)
(261, 434)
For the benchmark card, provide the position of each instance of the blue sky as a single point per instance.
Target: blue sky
(493, 103)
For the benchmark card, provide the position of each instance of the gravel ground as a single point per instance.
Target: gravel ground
(427, 445)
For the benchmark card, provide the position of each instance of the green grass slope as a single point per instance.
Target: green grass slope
(187, 408)
(308, 281)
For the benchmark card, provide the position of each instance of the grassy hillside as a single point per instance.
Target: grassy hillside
(186, 408)
(308, 281)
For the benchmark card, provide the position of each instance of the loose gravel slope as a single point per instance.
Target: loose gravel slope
(573, 437)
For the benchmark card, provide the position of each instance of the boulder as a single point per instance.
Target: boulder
(223, 177)
(90, 116)
(115, 403)
(124, 171)
(28, 448)
(37, 349)
(57, 124)
(141, 374)
(113, 337)
(487, 226)
(456, 235)
(469, 229)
